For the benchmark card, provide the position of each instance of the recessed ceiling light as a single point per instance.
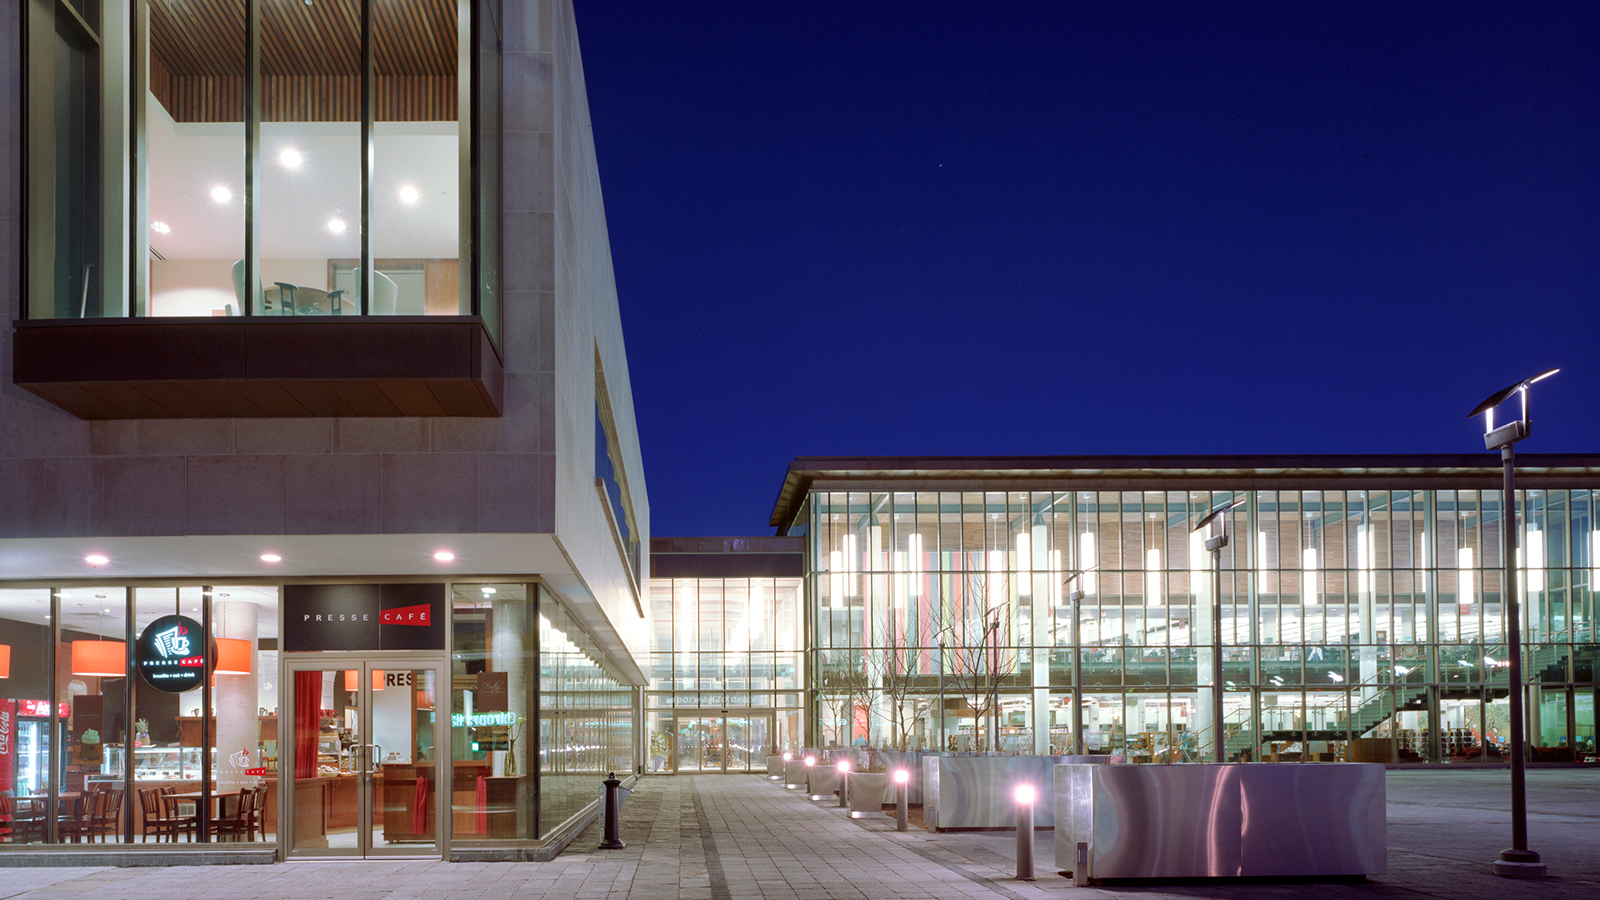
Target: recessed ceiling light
(336, 226)
(95, 559)
(488, 591)
(291, 158)
(408, 195)
(444, 556)
(271, 557)
(221, 194)
(161, 227)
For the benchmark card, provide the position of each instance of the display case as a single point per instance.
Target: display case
(152, 764)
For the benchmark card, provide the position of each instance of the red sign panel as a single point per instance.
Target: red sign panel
(8, 743)
(406, 615)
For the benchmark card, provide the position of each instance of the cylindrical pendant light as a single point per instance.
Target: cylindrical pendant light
(233, 656)
(106, 659)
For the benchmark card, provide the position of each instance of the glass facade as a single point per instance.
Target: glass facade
(96, 751)
(1355, 624)
(324, 171)
(95, 737)
(726, 672)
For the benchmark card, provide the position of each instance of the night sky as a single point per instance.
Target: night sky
(1065, 228)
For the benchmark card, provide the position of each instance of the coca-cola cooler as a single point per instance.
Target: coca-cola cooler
(24, 746)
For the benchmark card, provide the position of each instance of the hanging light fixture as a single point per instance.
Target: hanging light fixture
(100, 658)
(233, 656)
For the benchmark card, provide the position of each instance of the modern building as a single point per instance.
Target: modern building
(316, 380)
(978, 604)
(323, 518)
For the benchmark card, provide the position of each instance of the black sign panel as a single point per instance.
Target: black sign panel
(363, 617)
(171, 654)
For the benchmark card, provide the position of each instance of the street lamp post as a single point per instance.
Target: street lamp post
(1075, 597)
(1215, 543)
(1518, 861)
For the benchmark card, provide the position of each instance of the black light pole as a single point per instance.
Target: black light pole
(1075, 597)
(1519, 861)
(1215, 544)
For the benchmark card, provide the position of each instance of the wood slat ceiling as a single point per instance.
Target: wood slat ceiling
(206, 37)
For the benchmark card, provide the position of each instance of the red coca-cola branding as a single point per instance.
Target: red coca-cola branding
(8, 760)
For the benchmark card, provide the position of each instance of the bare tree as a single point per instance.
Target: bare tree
(977, 631)
(843, 680)
(893, 671)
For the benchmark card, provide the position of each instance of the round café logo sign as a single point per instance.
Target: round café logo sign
(172, 654)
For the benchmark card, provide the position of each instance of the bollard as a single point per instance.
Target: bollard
(844, 783)
(1024, 798)
(612, 839)
(1080, 868)
(902, 789)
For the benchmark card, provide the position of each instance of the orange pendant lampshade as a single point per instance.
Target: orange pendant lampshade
(233, 656)
(5, 660)
(352, 677)
(107, 659)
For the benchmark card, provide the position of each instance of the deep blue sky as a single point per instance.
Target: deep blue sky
(1065, 228)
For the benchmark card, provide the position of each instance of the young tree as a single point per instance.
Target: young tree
(976, 629)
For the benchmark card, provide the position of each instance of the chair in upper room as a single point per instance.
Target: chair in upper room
(385, 295)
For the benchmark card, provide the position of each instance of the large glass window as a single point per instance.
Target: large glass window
(264, 190)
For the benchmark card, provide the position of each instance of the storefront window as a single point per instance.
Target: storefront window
(493, 710)
(27, 704)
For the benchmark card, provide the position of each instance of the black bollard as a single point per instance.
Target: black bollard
(612, 839)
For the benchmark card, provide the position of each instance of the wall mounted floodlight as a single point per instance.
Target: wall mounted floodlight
(1518, 861)
(1214, 544)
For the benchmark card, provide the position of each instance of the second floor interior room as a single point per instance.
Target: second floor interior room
(306, 191)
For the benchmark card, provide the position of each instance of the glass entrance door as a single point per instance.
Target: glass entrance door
(714, 742)
(365, 744)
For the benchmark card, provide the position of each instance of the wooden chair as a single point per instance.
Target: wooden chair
(105, 815)
(75, 815)
(259, 812)
(240, 823)
(161, 817)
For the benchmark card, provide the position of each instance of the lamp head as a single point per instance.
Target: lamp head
(901, 776)
(811, 760)
(844, 766)
(1515, 430)
(1024, 795)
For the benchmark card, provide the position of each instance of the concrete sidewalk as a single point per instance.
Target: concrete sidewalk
(715, 837)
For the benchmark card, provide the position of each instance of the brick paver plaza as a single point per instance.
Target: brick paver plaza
(714, 837)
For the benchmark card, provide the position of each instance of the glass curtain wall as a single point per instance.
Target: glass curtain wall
(348, 142)
(726, 672)
(1357, 625)
(90, 734)
(585, 724)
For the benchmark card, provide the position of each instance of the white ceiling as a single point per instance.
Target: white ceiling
(187, 160)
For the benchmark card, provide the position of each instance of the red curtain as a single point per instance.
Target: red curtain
(307, 722)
